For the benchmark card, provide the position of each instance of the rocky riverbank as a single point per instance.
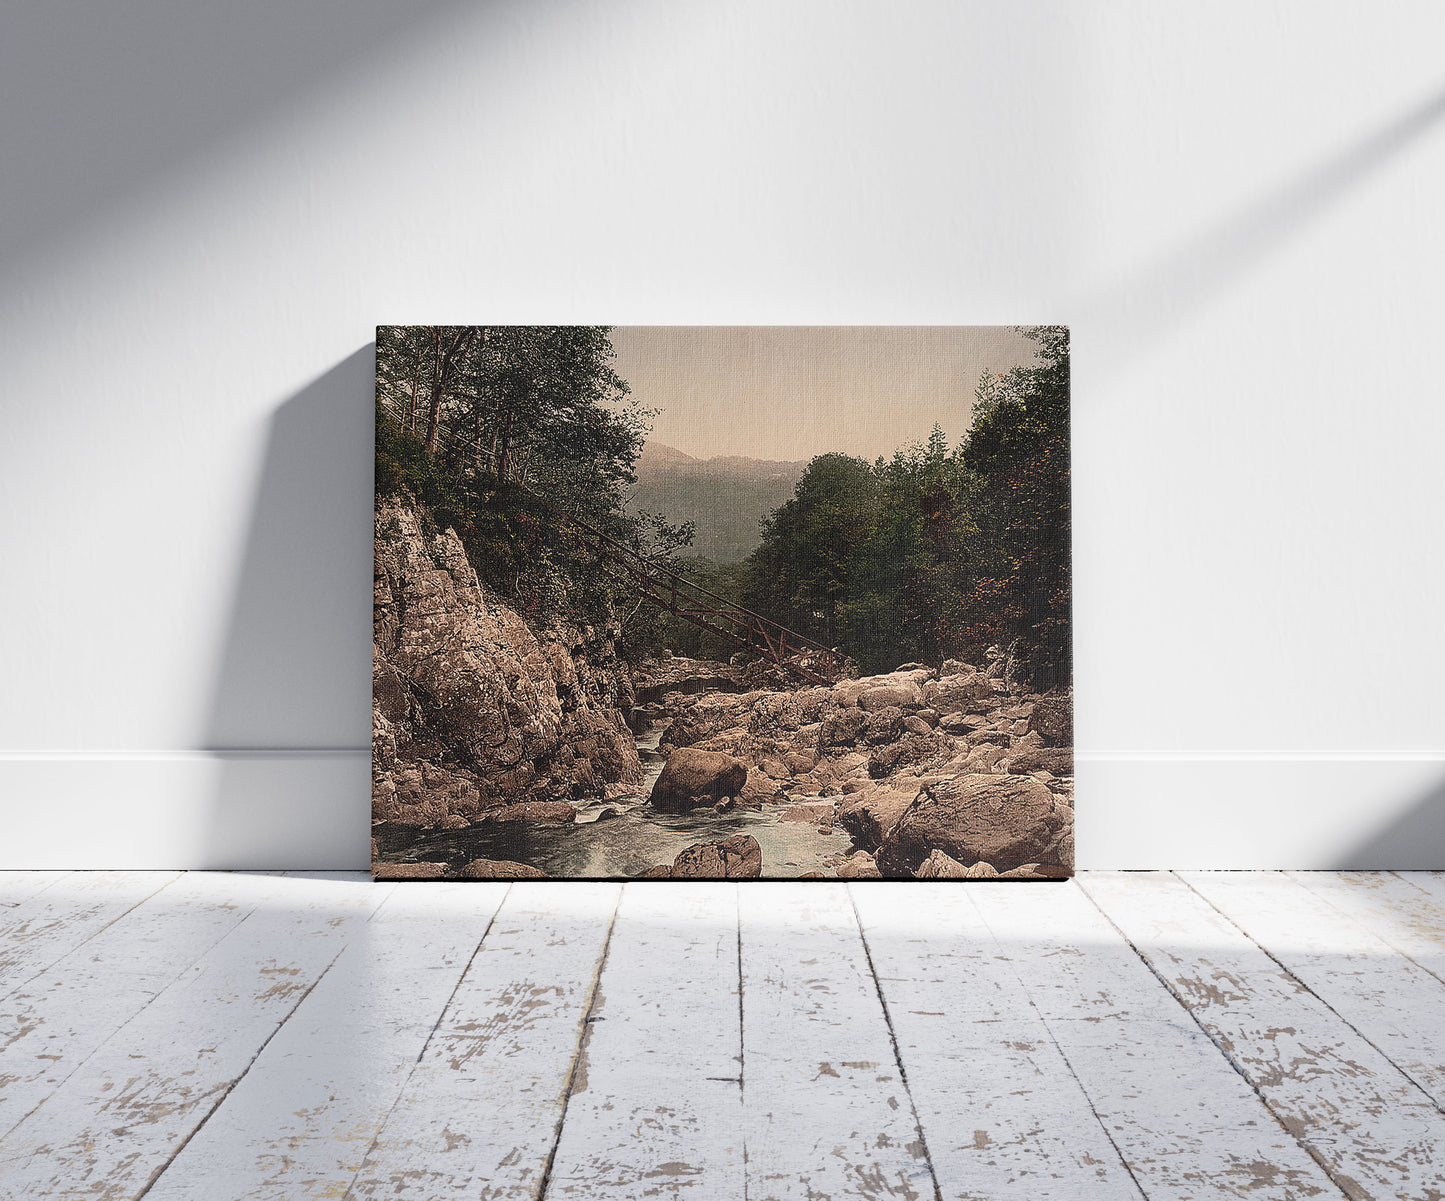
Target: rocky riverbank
(956, 773)
(478, 715)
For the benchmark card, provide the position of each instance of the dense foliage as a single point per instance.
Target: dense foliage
(500, 430)
(938, 552)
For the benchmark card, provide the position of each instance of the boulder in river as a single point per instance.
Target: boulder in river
(692, 777)
(739, 858)
(869, 815)
(408, 871)
(500, 869)
(1003, 820)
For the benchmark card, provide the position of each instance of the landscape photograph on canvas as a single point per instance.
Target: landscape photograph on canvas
(722, 602)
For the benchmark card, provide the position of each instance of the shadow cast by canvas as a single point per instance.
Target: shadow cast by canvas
(1414, 841)
(106, 102)
(289, 716)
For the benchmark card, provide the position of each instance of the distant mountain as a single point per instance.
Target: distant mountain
(726, 496)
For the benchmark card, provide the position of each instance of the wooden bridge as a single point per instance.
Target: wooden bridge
(752, 632)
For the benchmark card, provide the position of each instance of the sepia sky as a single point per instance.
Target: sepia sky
(791, 392)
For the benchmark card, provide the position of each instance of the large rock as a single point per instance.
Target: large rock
(884, 725)
(760, 789)
(1056, 759)
(884, 696)
(500, 869)
(408, 871)
(1057, 861)
(692, 777)
(800, 762)
(939, 866)
(963, 723)
(908, 680)
(959, 694)
(678, 676)
(739, 858)
(1003, 820)
(870, 814)
(859, 866)
(909, 748)
(472, 705)
(1053, 720)
(842, 728)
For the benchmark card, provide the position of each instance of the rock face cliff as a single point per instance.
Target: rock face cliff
(474, 709)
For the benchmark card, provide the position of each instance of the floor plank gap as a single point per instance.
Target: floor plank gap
(893, 1042)
(579, 1056)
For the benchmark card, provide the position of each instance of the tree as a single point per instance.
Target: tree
(448, 342)
(799, 573)
(1017, 583)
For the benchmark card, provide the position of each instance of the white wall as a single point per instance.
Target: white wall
(208, 206)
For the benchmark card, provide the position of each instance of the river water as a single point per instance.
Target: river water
(623, 838)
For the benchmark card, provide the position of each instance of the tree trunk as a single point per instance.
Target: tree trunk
(504, 453)
(434, 418)
(415, 395)
(441, 377)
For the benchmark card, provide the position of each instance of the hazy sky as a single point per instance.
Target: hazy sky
(791, 392)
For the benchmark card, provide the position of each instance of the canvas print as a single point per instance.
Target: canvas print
(722, 603)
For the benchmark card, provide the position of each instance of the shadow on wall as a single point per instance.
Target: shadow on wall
(1152, 303)
(108, 100)
(1415, 841)
(290, 716)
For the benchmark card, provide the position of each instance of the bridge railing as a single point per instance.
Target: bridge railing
(674, 593)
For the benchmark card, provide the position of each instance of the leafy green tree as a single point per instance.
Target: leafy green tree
(1016, 582)
(799, 575)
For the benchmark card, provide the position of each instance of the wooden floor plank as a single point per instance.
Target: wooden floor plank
(480, 1113)
(124, 1114)
(1392, 1002)
(1404, 909)
(1002, 1115)
(1187, 1125)
(49, 924)
(656, 1110)
(826, 1111)
(1374, 1130)
(299, 1124)
(16, 887)
(53, 1023)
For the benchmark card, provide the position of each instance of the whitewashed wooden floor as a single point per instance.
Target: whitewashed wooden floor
(1190, 1035)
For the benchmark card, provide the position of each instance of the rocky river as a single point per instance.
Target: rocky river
(507, 747)
(626, 836)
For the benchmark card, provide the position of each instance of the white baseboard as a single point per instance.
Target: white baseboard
(1258, 810)
(186, 809)
(309, 809)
